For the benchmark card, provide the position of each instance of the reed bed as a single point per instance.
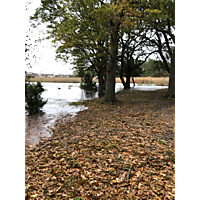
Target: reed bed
(162, 81)
(139, 80)
(57, 79)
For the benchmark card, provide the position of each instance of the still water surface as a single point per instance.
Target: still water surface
(59, 96)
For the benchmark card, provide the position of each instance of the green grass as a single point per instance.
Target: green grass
(76, 103)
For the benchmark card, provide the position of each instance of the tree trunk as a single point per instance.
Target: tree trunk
(112, 66)
(127, 85)
(122, 80)
(110, 85)
(101, 84)
(171, 88)
(121, 74)
(133, 81)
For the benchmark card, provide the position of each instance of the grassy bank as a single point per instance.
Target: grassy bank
(120, 151)
(138, 80)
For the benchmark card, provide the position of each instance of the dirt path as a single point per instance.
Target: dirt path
(121, 151)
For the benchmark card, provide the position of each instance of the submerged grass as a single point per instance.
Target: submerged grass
(76, 103)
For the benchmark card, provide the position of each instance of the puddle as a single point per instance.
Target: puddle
(59, 96)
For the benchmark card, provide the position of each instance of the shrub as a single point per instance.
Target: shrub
(33, 100)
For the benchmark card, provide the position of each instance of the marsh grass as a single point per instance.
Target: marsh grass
(162, 81)
(57, 79)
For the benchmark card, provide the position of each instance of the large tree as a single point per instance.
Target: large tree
(159, 18)
(88, 41)
(112, 62)
(87, 25)
(77, 27)
(121, 15)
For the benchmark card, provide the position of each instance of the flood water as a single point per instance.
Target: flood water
(59, 96)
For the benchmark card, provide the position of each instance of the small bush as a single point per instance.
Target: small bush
(33, 100)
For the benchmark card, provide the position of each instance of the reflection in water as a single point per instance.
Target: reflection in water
(89, 94)
(59, 96)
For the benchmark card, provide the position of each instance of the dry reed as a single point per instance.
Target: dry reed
(148, 80)
(139, 80)
(57, 79)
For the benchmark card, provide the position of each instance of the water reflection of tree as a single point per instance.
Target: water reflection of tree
(87, 94)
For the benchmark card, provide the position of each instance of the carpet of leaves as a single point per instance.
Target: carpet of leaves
(120, 151)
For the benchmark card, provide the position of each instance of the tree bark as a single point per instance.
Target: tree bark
(110, 85)
(101, 84)
(127, 85)
(171, 88)
(133, 81)
(127, 74)
(112, 66)
(122, 80)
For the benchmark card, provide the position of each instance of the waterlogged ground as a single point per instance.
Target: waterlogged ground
(59, 96)
(120, 151)
(40, 124)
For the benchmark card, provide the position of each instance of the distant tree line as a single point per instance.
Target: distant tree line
(153, 68)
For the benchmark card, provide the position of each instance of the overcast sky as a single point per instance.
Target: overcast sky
(45, 52)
